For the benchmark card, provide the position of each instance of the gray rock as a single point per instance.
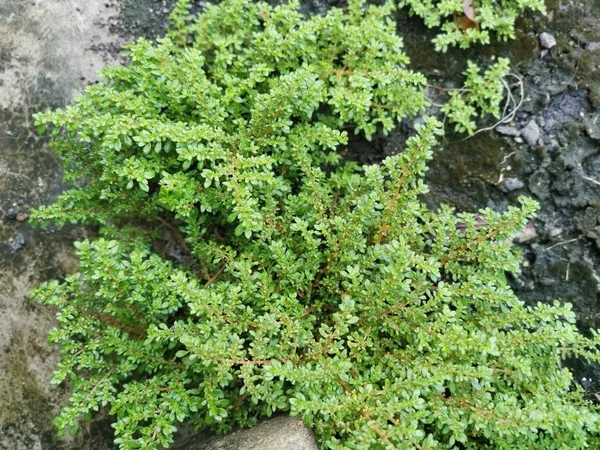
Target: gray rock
(512, 184)
(554, 232)
(280, 433)
(11, 214)
(531, 133)
(17, 243)
(507, 130)
(547, 40)
(592, 125)
(593, 46)
(586, 383)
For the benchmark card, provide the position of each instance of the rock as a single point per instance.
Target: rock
(17, 243)
(11, 214)
(280, 433)
(527, 234)
(547, 40)
(547, 281)
(586, 383)
(554, 232)
(592, 125)
(512, 184)
(531, 133)
(507, 130)
(593, 46)
(22, 217)
(519, 140)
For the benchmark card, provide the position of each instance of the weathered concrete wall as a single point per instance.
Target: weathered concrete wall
(49, 49)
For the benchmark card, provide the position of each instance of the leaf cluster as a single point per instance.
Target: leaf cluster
(463, 23)
(481, 94)
(310, 285)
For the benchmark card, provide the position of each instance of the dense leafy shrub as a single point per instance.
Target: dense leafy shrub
(465, 22)
(229, 120)
(302, 283)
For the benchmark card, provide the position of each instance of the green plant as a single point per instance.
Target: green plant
(224, 121)
(465, 22)
(481, 94)
(302, 283)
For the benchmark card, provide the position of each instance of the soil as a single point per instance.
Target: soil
(50, 49)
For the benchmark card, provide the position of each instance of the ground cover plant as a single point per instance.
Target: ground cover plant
(463, 23)
(244, 267)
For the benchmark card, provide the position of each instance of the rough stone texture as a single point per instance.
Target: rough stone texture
(280, 433)
(547, 40)
(507, 130)
(512, 184)
(531, 133)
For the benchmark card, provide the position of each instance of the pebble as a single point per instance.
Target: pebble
(531, 133)
(11, 214)
(555, 232)
(519, 140)
(17, 243)
(586, 383)
(22, 217)
(593, 46)
(547, 40)
(547, 281)
(512, 184)
(527, 234)
(507, 130)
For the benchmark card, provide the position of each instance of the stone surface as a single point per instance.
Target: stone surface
(547, 40)
(512, 184)
(280, 433)
(507, 130)
(592, 124)
(17, 243)
(531, 133)
(22, 217)
(11, 214)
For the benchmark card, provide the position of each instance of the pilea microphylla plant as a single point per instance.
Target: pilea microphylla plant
(302, 283)
(463, 23)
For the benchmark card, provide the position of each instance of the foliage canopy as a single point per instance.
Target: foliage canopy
(302, 282)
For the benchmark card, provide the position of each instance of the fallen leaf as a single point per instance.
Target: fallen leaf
(469, 9)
